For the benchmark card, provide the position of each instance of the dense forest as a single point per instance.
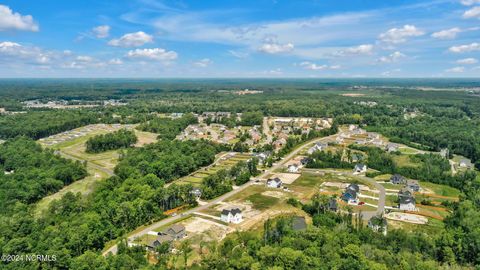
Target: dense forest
(111, 141)
(29, 173)
(168, 128)
(76, 224)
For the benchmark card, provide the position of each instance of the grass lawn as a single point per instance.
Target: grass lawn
(441, 190)
(383, 177)
(309, 180)
(262, 202)
(404, 161)
(407, 150)
(391, 186)
(84, 186)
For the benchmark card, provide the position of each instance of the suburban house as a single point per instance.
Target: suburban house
(157, 241)
(406, 201)
(465, 163)
(261, 157)
(299, 223)
(332, 205)
(397, 179)
(360, 168)
(233, 215)
(317, 147)
(413, 185)
(176, 231)
(305, 161)
(293, 168)
(197, 192)
(391, 147)
(378, 224)
(351, 194)
(274, 183)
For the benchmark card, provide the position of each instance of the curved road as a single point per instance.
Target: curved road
(113, 249)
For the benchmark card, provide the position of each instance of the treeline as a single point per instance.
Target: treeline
(327, 159)
(39, 124)
(168, 160)
(119, 139)
(428, 167)
(248, 118)
(168, 128)
(221, 182)
(75, 225)
(293, 142)
(29, 173)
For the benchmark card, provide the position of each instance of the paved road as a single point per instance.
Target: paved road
(266, 130)
(114, 249)
(381, 195)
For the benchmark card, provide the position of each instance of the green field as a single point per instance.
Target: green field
(262, 202)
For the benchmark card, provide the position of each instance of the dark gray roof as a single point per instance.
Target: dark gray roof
(406, 199)
(397, 178)
(159, 240)
(354, 187)
(405, 191)
(176, 228)
(234, 211)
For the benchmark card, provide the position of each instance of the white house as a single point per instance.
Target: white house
(274, 183)
(293, 168)
(406, 201)
(233, 215)
(360, 168)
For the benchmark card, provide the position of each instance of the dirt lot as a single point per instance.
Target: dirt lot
(287, 178)
(207, 229)
(405, 217)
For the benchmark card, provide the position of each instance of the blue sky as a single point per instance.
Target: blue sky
(262, 38)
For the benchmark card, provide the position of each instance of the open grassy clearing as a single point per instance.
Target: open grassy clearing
(84, 186)
(441, 189)
(404, 161)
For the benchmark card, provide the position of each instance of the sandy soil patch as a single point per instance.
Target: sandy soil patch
(207, 228)
(287, 178)
(353, 95)
(405, 217)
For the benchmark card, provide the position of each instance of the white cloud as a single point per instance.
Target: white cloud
(157, 54)
(392, 58)
(15, 21)
(274, 48)
(85, 59)
(115, 61)
(203, 63)
(273, 72)
(469, 2)
(400, 35)
(361, 49)
(472, 13)
(313, 66)
(32, 55)
(447, 34)
(364, 49)
(467, 61)
(238, 54)
(101, 31)
(455, 70)
(465, 48)
(136, 39)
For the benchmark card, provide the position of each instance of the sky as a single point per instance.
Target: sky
(237, 39)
